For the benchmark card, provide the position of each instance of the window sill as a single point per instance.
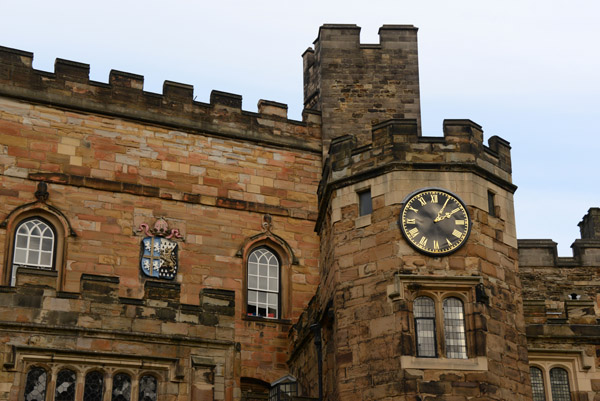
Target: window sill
(362, 221)
(411, 362)
(266, 319)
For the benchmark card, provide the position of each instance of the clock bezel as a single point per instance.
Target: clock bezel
(414, 194)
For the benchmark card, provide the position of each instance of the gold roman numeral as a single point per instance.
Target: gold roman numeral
(434, 198)
(457, 233)
(413, 209)
(448, 241)
(436, 245)
(423, 202)
(411, 221)
(414, 232)
(459, 222)
(423, 241)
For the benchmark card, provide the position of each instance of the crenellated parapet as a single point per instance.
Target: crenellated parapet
(557, 289)
(123, 96)
(397, 145)
(586, 250)
(358, 84)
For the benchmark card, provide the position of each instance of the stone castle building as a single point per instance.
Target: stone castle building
(157, 248)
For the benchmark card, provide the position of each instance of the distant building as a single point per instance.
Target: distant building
(155, 248)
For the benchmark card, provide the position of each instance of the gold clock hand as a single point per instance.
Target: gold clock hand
(439, 216)
(447, 216)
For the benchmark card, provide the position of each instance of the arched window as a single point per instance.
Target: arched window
(35, 384)
(454, 329)
(559, 384)
(263, 283)
(537, 384)
(65, 385)
(34, 246)
(94, 386)
(424, 312)
(121, 388)
(148, 388)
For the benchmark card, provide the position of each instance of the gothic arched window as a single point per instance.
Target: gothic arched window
(263, 283)
(424, 312)
(148, 388)
(121, 388)
(94, 386)
(65, 385)
(537, 384)
(34, 246)
(454, 329)
(559, 384)
(35, 384)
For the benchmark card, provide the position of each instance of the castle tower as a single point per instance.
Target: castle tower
(419, 296)
(357, 85)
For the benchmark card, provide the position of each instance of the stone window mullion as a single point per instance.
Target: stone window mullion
(79, 386)
(547, 384)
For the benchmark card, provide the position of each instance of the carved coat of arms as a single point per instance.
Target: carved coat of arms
(159, 250)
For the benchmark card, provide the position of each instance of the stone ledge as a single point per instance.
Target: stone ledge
(411, 362)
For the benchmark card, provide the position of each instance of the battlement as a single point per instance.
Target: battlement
(397, 145)
(361, 84)
(542, 253)
(123, 96)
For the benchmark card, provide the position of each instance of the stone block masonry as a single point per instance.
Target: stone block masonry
(115, 156)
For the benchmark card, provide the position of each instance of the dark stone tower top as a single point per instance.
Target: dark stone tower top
(358, 85)
(590, 224)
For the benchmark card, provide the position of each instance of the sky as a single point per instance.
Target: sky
(524, 70)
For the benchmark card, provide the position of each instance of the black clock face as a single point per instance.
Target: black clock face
(435, 222)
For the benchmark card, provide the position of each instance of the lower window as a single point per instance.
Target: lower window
(558, 380)
(63, 383)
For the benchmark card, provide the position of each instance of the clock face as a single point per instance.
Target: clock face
(435, 222)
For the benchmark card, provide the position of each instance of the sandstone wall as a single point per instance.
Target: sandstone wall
(115, 157)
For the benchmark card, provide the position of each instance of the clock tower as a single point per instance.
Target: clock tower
(419, 296)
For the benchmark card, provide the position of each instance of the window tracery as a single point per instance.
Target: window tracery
(263, 283)
(35, 384)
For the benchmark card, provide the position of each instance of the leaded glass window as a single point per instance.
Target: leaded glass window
(424, 312)
(454, 329)
(537, 384)
(559, 384)
(35, 384)
(34, 246)
(94, 386)
(65, 385)
(148, 388)
(263, 283)
(121, 388)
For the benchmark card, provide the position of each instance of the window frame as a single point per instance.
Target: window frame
(31, 368)
(546, 367)
(439, 297)
(247, 289)
(62, 230)
(543, 381)
(55, 380)
(426, 318)
(14, 266)
(552, 384)
(107, 374)
(445, 330)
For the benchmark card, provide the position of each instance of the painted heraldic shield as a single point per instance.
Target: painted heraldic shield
(159, 257)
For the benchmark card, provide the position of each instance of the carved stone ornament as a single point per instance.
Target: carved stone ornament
(158, 253)
(267, 223)
(42, 192)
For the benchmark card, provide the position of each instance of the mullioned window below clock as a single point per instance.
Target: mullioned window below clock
(453, 337)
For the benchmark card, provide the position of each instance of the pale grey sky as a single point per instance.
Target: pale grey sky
(525, 70)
